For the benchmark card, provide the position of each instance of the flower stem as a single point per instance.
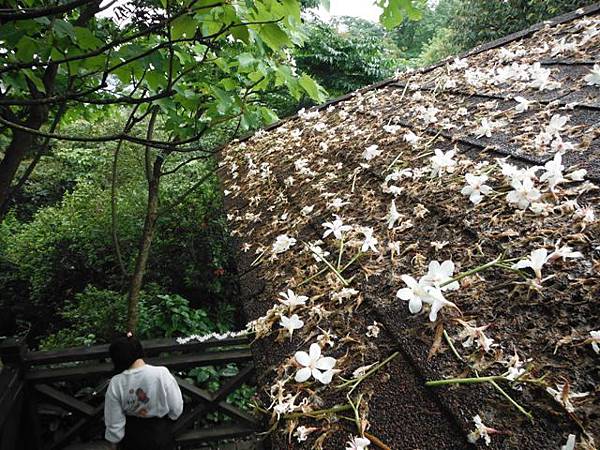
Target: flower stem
(513, 402)
(473, 271)
(330, 266)
(465, 380)
(341, 253)
(355, 382)
(319, 413)
(451, 344)
(312, 277)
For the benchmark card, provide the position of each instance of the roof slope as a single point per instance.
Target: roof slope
(403, 165)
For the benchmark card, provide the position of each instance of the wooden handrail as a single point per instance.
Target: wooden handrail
(177, 362)
(151, 347)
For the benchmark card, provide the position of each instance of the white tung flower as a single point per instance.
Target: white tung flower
(570, 445)
(476, 187)
(419, 292)
(357, 443)
(557, 124)
(563, 252)
(438, 274)
(373, 330)
(428, 115)
(577, 175)
(291, 323)
(441, 162)
(371, 152)
(486, 128)
(411, 138)
(307, 210)
(471, 334)
(315, 365)
(337, 228)
(337, 203)
(302, 432)
(393, 215)
(523, 193)
(480, 432)
(369, 242)
(317, 252)
(535, 261)
(291, 300)
(593, 78)
(563, 395)
(283, 243)
(553, 174)
(344, 294)
(595, 341)
(522, 104)
(392, 129)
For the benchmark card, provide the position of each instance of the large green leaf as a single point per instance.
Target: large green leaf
(394, 11)
(184, 27)
(312, 88)
(86, 39)
(63, 28)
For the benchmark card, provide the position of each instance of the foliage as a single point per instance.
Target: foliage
(98, 315)
(481, 21)
(346, 54)
(455, 26)
(441, 45)
(67, 245)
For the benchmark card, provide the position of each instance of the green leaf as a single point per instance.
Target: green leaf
(62, 28)
(37, 81)
(26, 48)
(312, 88)
(246, 61)
(184, 27)
(393, 12)
(86, 39)
(268, 115)
(273, 36)
(229, 84)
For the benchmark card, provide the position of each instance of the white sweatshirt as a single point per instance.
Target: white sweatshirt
(147, 391)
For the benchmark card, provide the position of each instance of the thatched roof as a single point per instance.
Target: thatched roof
(381, 160)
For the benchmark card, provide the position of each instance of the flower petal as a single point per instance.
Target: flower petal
(302, 375)
(326, 377)
(409, 281)
(415, 305)
(326, 363)
(314, 351)
(405, 294)
(302, 358)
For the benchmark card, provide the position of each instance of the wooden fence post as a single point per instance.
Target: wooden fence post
(13, 351)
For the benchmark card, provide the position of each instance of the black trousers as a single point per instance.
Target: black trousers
(152, 433)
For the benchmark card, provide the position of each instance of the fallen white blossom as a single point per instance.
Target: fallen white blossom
(315, 365)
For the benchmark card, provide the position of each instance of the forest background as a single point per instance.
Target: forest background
(76, 214)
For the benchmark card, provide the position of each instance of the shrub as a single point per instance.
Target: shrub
(97, 315)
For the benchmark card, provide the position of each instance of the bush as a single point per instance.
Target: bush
(96, 316)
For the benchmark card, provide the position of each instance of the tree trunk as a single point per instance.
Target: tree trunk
(144, 250)
(153, 175)
(14, 155)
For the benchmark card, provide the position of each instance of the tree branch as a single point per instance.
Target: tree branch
(9, 14)
(114, 43)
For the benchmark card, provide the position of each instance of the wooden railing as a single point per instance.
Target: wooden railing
(51, 399)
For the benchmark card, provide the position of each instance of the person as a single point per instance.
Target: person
(141, 402)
